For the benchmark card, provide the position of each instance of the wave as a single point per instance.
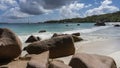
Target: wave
(88, 30)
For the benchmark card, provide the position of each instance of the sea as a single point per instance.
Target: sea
(87, 30)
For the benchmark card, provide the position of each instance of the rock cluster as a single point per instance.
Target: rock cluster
(40, 53)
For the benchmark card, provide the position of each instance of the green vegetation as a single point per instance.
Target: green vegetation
(110, 17)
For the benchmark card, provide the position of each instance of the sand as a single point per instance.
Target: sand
(107, 47)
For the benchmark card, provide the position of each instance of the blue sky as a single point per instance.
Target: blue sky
(19, 11)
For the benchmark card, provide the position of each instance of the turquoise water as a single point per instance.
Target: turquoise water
(24, 29)
(86, 29)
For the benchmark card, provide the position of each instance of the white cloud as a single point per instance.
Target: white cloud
(14, 13)
(37, 7)
(105, 7)
(71, 11)
(5, 4)
(89, 5)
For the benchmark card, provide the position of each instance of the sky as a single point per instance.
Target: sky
(20, 11)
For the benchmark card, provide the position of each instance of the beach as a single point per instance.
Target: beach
(103, 40)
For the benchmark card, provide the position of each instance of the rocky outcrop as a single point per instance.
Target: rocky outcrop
(58, 64)
(58, 46)
(32, 39)
(10, 45)
(82, 60)
(39, 61)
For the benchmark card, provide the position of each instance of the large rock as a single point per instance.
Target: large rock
(10, 45)
(58, 64)
(76, 34)
(32, 39)
(58, 46)
(39, 61)
(82, 60)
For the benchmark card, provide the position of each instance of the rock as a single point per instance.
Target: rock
(78, 24)
(10, 45)
(58, 64)
(66, 25)
(16, 64)
(42, 31)
(76, 39)
(76, 34)
(32, 39)
(56, 35)
(117, 25)
(82, 60)
(100, 23)
(58, 46)
(39, 61)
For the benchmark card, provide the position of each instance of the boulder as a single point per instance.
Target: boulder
(76, 39)
(76, 34)
(42, 31)
(10, 45)
(58, 64)
(32, 39)
(58, 46)
(117, 25)
(39, 61)
(81, 60)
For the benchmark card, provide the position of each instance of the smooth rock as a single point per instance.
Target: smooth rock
(39, 61)
(82, 60)
(58, 46)
(10, 45)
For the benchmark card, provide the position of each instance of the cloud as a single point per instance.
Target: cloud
(35, 7)
(14, 13)
(24, 8)
(105, 7)
(89, 5)
(6, 4)
(71, 11)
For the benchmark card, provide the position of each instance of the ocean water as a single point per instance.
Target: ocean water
(24, 30)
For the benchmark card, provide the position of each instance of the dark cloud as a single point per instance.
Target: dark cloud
(35, 7)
